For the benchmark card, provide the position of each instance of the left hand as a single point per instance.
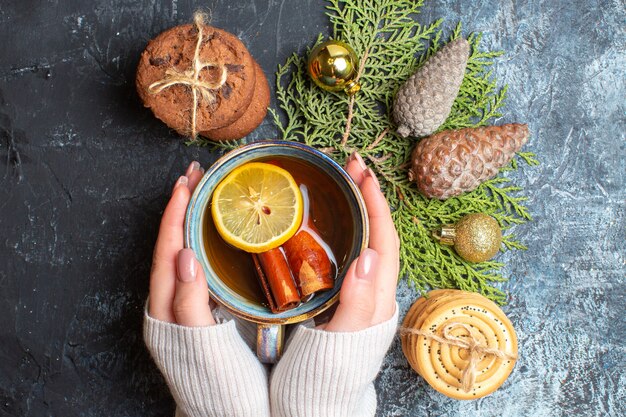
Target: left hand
(368, 292)
(178, 289)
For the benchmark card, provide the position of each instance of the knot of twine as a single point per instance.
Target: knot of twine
(470, 343)
(190, 76)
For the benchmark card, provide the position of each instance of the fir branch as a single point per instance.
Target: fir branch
(397, 46)
(511, 242)
(529, 158)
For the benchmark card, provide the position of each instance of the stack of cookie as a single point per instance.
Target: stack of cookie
(200, 80)
(460, 342)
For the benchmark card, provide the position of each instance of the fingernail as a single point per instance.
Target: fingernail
(181, 181)
(366, 264)
(194, 166)
(371, 174)
(187, 265)
(354, 156)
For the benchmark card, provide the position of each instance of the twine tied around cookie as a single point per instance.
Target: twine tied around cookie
(190, 77)
(475, 349)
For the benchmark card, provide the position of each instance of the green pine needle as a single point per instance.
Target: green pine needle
(397, 46)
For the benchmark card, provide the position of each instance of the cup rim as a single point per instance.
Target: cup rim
(191, 208)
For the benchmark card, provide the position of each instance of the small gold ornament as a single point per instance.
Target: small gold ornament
(334, 66)
(476, 237)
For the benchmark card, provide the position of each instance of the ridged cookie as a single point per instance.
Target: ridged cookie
(442, 364)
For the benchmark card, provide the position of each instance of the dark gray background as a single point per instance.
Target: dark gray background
(86, 172)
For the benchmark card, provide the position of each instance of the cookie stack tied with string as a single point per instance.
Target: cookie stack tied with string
(460, 342)
(200, 80)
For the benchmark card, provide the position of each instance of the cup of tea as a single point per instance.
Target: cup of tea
(337, 212)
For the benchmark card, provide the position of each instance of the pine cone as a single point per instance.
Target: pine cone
(424, 101)
(453, 162)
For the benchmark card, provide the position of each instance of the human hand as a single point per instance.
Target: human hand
(178, 289)
(368, 292)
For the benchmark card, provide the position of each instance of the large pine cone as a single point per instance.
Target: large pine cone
(453, 162)
(424, 101)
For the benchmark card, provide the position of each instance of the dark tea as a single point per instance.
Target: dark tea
(325, 208)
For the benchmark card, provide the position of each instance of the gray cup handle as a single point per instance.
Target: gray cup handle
(269, 342)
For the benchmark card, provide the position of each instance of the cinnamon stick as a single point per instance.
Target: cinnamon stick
(309, 263)
(276, 280)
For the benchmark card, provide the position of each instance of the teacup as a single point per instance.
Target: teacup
(270, 325)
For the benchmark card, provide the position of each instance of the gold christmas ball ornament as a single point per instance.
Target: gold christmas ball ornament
(334, 66)
(476, 237)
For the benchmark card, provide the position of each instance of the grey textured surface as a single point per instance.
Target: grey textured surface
(87, 171)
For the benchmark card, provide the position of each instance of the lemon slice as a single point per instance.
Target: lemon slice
(257, 207)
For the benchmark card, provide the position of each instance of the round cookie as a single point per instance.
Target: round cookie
(414, 319)
(442, 364)
(252, 117)
(436, 299)
(173, 50)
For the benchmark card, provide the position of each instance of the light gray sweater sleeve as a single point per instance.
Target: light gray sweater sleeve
(330, 374)
(210, 370)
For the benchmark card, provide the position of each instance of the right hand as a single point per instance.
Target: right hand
(368, 293)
